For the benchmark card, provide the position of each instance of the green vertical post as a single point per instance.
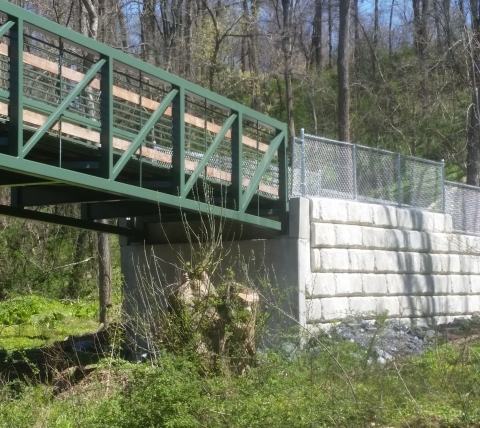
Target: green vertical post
(283, 182)
(178, 141)
(15, 104)
(237, 162)
(106, 118)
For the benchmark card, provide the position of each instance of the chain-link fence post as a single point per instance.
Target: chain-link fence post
(399, 178)
(303, 173)
(354, 171)
(443, 186)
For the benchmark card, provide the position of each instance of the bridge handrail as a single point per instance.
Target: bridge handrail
(236, 117)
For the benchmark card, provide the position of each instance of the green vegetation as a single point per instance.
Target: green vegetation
(300, 389)
(34, 321)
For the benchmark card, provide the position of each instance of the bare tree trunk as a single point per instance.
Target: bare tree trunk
(104, 275)
(148, 33)
(317, 35)
(390, 26)
(376, 29)
(287, 58)
(473, 135)
(343, 75)
(330, 31)
(104, 279)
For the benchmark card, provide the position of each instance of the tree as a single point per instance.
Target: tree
(343, 72)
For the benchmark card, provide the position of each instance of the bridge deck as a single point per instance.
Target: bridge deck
(83, 122)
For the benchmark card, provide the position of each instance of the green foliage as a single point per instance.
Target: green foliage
(32, 321)
(300, 389)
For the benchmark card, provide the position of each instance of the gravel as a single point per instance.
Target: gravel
(391, 339)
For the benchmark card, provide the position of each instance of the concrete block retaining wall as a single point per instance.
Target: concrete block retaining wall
(370, 259)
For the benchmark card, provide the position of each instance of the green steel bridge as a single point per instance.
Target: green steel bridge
(81, 122)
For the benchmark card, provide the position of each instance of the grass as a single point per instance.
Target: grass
(298, 388)
(33, 321)
(438, 389)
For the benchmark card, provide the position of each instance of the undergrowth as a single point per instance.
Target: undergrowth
(299, 389)
(34, 321)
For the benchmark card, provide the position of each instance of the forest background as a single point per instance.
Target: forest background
(395, 74)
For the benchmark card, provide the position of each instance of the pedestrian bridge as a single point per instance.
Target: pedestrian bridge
(81, 122)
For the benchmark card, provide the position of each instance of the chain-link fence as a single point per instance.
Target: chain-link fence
(334, 169)
(462, 202)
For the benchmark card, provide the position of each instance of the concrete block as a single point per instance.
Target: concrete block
(473, 304)
(361, 260)
(407, 306)
(348, 235)
(320, 284)
(474, 284)
(374, 238)
(374, 284)
(405, 219)
(453, 263)
(422, 306)
(330, 260)
(456, 305)
(439, 222)
(458, 284)
(389, 304)
(384, 216)
(425, 222)
(417, 241)
(434, 263)
(313, 310)
(445, 262)
(398, 284)
(322, 235)
(414, 263)
(396, 239)
(458, 243)
(438, 284)
(388, 261)
(299, 218)
(362, 306)
(328, 210)
(359, 213)
(334, 308)
(448, 227)
(468, 264)
(439, 242)
(348, 284)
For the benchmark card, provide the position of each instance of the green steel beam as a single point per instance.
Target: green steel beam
(62, 107)
(178, 141)
(106, 118)
(237, 164)
(5, 27)
(15, 107)
(68, 221)
(261, 168)
(208, 154)
(78, 179)
(142, 134)
(282, 203)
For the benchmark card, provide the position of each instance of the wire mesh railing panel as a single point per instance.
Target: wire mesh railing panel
(329, 169)
(376, 175)
(422, 184)
(462, 202)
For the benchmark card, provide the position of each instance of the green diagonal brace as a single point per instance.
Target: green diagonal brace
(62, 107)
(262, 167)
(5, 27)
(143, 133)
(208, 154)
